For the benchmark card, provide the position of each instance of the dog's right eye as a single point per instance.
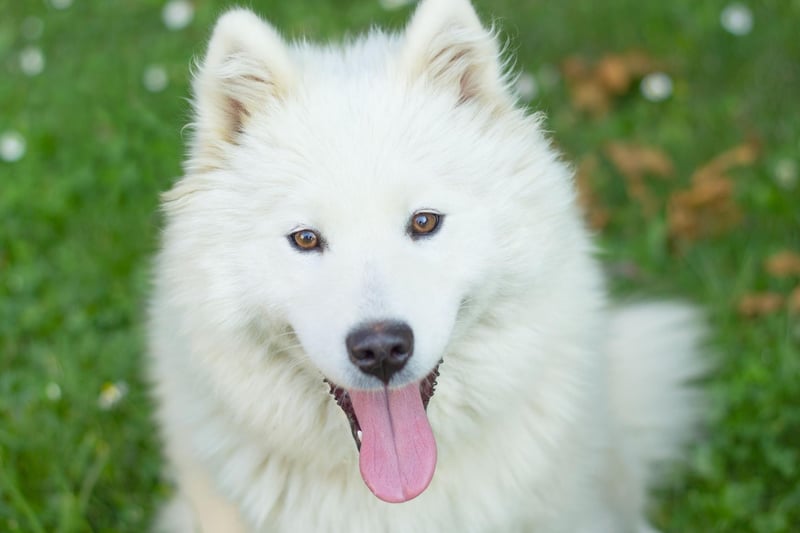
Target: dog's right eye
(424, 224)
(306, 240)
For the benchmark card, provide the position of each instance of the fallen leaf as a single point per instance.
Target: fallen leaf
(741, 155)
(783, 264)
(589, 96)
(639, 63)
(704, 210)
(760, 304)
(593, 87)
(633, 159)
(710, 191)
(575, 68)
(613, 74)
(794, 301)
(634, 162)
(708, 207)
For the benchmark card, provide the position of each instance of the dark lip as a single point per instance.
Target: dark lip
(427, 387)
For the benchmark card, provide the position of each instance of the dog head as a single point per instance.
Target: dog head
(373, 198)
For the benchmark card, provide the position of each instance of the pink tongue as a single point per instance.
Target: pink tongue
(398, 453)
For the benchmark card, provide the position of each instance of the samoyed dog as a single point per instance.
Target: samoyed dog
(377, 309)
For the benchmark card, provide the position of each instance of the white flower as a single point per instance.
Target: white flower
(786, 173)
(737, 18)
(526, 86)
(52, 391)
(111, 394)
(12, 146)
(31, 60)
(177, 14)
(155, 78)
(656, 86)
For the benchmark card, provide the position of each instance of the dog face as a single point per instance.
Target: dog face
(350, 149)
(363, 155)
(369, 227)
(369, 262)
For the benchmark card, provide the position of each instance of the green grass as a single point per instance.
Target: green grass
(79, 222)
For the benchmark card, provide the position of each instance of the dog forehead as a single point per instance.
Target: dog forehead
(341, 137)
(355, 97)
(369, 53)
(355, 128)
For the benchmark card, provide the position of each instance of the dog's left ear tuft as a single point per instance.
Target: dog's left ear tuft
(246, 69)
(446, 45)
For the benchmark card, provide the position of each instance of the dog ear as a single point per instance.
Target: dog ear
(446, 45)
(246, 67)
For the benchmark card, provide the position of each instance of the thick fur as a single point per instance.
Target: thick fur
(552, 409)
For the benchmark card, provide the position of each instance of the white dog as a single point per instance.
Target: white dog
(356, 223)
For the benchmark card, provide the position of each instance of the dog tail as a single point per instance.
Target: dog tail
(655, 357)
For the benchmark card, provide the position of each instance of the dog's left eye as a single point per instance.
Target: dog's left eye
(424, 223)
(306, 240)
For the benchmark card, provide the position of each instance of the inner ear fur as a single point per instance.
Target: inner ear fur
(246, 67)
(446, 45)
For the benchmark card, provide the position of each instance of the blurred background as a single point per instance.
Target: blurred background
(682, 119)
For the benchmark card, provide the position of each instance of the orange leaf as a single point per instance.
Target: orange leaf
(613, 74)
(575, 68)
(589, 96)
(636, 160)
(705, 209)
(760, 304)
(594, 87)
(709, 192)
(741, 155)
(639, 63)
(783, 264)
(708, 206)
(794, 301)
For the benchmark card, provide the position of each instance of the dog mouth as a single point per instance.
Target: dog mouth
(397, 452)
(427, 387)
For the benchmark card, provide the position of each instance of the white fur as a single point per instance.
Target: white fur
(551, 408)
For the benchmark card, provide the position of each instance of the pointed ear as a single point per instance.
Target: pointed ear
(246, 67)
(446, 45)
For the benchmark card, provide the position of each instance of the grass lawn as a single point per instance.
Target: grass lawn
(79, 221)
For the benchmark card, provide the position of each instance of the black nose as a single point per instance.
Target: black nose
(380, 348)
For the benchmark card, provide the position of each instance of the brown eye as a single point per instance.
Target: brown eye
(305, 240)
(424, 223)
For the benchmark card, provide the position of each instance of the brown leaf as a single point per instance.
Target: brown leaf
(594, 87)
(575, 68)
(705, 209)
(637, 160)
(590, 97)
(708, 206)
(634, 161)
(794, 301)
(741, 155)
(760, 304)
(710, 192)
(783, 264)
(597, 216)
(613, 74)
(639, 63)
